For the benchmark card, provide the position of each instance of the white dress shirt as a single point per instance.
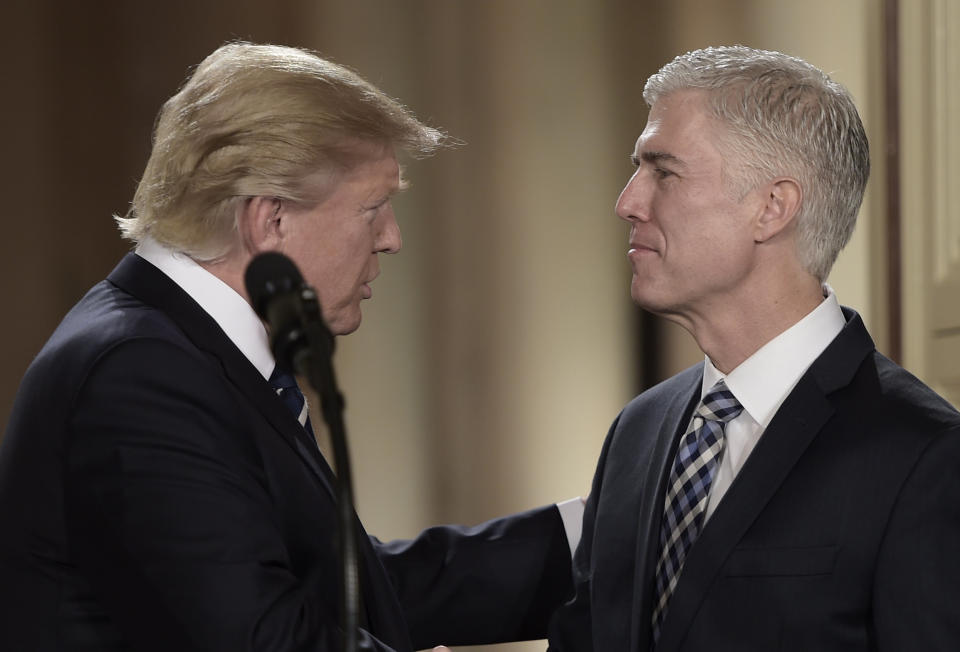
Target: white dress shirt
(764, 380)
(230, 310)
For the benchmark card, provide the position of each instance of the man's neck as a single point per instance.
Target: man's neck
(731, 332)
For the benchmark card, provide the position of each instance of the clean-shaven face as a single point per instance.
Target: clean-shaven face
(690, 236)
(336, 243)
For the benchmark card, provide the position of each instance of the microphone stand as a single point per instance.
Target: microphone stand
(315, 363)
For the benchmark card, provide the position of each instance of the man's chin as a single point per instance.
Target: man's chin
(641, 296)
(649, 301)
(345, 331)
(344, 325)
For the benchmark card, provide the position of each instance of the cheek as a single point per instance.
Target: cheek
(334, 265)
(342, 272)
(358, 252)
(319, 270)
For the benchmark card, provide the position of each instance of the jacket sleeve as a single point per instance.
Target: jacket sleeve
(169, 513)
(492, 583)
(917, 582)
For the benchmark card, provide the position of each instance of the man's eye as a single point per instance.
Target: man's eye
(662, 173)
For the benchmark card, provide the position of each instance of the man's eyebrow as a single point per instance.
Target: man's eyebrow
(654, 158)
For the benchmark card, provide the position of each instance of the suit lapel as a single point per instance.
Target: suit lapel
(797, 423)
(144, 281)
(672, 427)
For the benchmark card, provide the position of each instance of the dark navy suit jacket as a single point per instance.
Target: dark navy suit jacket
(155, 495)
(841, 532)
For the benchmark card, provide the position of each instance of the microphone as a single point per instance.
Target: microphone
(301, 341)
(281, 298)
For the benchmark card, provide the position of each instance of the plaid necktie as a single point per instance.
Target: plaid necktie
(289, 392)
(693, 471)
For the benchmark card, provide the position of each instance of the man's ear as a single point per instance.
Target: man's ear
(781, 205)
(258, 221)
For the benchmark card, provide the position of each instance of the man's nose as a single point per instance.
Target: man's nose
(389, 240)
(633, 204)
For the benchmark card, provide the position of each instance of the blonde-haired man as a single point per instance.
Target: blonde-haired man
(156, 491)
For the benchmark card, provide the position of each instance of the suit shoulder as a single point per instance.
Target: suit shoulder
(666, 393)
(105, 317)
(102, 322)
(904, 396)
(644, 417)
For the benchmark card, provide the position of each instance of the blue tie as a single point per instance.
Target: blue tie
(692, 475)
(289, 392)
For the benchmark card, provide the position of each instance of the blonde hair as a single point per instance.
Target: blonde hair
(257, 120)
(783, 116)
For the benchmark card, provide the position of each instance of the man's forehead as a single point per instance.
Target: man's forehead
(376, 165)
(675, 121)
(649, 141)
(358, 154)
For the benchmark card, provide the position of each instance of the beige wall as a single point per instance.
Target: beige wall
(930, 70)
(501, 341)
(503, 332)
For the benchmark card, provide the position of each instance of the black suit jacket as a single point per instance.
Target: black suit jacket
(840, 532)
(155, 494)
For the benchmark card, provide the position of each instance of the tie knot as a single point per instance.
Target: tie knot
(719, 404)
(282, 380)
(285, 385)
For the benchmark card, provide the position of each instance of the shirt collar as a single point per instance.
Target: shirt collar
(230, 310)
(764, 380)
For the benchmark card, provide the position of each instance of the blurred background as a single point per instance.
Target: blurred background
(501, 342)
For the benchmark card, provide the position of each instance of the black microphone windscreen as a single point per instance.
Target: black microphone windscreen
(268, 275)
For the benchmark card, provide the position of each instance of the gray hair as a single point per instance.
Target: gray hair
(783, 117)
(257, 120)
